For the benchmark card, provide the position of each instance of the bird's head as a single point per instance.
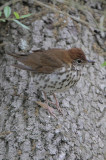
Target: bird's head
(78, 57)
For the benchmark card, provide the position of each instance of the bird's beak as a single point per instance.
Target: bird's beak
(90, 61)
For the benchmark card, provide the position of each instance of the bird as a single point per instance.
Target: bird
(55, 70)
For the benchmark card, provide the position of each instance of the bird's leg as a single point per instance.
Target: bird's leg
(50, 109)
(57, 103)
(46, 106)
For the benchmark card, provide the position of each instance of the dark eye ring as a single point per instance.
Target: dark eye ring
(79, 61)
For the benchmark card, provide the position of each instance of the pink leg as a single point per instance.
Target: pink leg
(57, 103)
(50, 109)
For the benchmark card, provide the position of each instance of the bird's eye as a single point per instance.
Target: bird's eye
(79, 61)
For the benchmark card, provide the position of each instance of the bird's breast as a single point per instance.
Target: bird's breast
(57, 81)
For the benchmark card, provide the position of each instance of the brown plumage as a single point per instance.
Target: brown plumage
(47, 61)
(56, 70)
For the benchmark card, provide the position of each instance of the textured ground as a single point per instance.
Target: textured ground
(27, 131)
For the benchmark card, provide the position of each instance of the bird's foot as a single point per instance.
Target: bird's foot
(47, 107)
(57, 106)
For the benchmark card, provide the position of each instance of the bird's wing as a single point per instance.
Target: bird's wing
(41, 61)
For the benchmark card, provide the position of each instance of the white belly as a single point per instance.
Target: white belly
(55, 82)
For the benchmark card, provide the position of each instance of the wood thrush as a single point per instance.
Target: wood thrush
(55, 70)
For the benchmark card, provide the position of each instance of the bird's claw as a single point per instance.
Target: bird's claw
(57, 106)
(47, 107)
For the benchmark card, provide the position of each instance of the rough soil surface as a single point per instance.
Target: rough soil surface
(27, 131)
